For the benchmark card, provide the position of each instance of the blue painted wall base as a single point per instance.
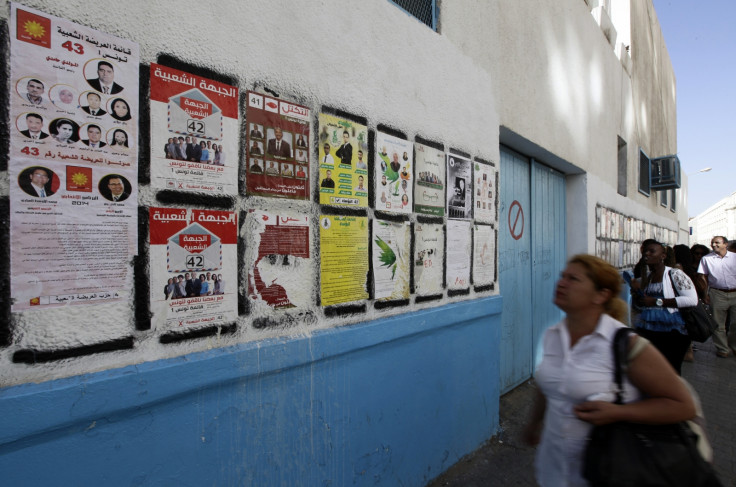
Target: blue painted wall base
(390, 402)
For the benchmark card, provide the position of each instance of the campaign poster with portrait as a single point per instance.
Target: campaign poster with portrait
(194, 133)
(485, 192)
(484, 255)
(391, 257)
(343, 174)
(277, 147)
(459, 187)
(458, 254)
(278, 260)
(429, 185)
(73, 165)
(393, 170)
(193, 262)
(429, 258)
(343, 258)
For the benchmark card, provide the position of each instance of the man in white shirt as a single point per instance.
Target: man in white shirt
(35, 91)
(327, 158)
(718, 271)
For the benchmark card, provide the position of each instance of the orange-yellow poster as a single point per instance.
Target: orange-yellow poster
(344, 258)
(343, 172)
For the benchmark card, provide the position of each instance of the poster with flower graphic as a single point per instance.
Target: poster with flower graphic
(394, 166)
(73, 164)
(391, 257)
(193, 261)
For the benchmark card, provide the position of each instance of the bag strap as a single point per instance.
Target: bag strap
(672, 281)
(620, 361)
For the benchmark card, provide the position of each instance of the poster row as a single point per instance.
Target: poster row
(193, 261)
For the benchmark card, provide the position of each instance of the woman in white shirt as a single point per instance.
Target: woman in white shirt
(575, 376)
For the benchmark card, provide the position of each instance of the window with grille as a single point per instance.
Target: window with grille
(426, 11)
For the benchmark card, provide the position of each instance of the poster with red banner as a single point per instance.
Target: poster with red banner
(194, 133)
(73, 162)
(279, 260)
(277, 138)
(193, 261)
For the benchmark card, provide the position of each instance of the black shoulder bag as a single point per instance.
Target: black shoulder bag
(699, 323)
(632, 454)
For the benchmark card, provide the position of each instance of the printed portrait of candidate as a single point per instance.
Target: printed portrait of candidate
(114, 187)
(64, 130)
(118, 139)
(279, 142)
(287, 170)
(33, 126)
(119, 109)
(64, 97)
(93, 102)
(256, 166)
(31, 90)
(256, 131)
(38, 181)
(94, 136)
(105, 80)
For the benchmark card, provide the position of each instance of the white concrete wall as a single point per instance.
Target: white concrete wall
(565, 95)
(719, 219)
(366, 58)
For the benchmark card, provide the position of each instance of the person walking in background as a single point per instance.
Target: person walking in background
(574, 376)
(684, 262)
(717, 271)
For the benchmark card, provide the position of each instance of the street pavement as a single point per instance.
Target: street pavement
(506, 461)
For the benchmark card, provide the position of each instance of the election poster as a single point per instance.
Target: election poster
(391, 257)
(193, 261)
(429, 185)
(393, 170)
(485, 192)
(484, 255)
(277, 141)
(73, 162)
(194, 133)
(343, 259)
(459, 187)
(458, 254)
(429, 254)
(343, 174)
(278, 260)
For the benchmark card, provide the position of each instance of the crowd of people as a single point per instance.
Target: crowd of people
(188, 149)
(190, 285)
(574, 377)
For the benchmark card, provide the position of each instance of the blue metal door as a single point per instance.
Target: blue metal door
(532, 252)
(515, 270)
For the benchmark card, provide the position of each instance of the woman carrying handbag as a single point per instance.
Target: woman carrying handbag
(575, 376)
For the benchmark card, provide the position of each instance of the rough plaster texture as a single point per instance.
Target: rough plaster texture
(366, 58)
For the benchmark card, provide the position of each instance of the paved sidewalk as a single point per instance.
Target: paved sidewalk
(505, 461)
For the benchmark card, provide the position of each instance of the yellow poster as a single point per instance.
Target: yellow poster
(344, 259)
(343, 170)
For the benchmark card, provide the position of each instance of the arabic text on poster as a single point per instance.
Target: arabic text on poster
(73, 161)
(485, 192)
(458, 254)
(429, 185)
(343, 172)
(193, 260)
(459, 187)
(344, 258)
(393, 171)
(429, 254)
(391, 260)
(484, 255)
(277, 140)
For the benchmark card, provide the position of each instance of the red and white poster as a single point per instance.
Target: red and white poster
(194, 133)
(279, 268)
(277, 140)
(73, 165)
(193, 261)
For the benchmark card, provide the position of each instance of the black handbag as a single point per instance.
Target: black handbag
(699, 323)
(632, 454)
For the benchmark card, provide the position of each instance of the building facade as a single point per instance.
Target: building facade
(719, 219)
(565, 101)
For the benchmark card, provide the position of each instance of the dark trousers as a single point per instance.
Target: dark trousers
(671, 344)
